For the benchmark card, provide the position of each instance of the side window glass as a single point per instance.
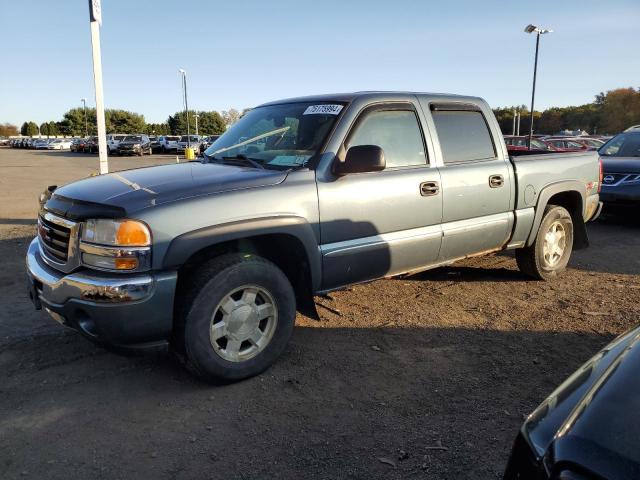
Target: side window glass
(397, 132)
(463, 135)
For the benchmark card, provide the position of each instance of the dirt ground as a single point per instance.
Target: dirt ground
(421, 377)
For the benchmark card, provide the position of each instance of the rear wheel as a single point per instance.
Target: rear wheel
(237, 317)
(550, 252)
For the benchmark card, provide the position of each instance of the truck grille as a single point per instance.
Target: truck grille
(55, 239)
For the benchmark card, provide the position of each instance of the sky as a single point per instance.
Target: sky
(241, 53)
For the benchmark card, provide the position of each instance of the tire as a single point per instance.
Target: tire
(542, 260)
(220, 293)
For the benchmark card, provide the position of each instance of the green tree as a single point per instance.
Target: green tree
(73, 122)
(49, 129)
(116, 121)
(157, 129)
(122, 121)
(29, 129)
(209, 123)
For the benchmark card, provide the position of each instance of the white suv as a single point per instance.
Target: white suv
(113, 140)
(168, 143)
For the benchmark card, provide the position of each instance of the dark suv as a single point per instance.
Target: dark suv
(135, 145)
(621, 164)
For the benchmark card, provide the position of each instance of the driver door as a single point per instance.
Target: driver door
(381, 223)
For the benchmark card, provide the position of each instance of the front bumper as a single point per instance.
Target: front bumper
(133, 311)
(129, 150)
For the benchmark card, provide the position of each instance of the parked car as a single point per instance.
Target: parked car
(565, 145)
(113, 139)
(59, 144)
(297, 198)
(41, 144)
(168, 143)
(155, 144)
(521, 144)
(592, 143)
(621, 165)
(77, 145)
(587, 429)
(207, 141)
(90, 145)
(192, 140)
(135, 145)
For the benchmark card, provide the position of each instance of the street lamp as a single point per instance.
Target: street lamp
(84, 108)
(538, 31)
(186, 105)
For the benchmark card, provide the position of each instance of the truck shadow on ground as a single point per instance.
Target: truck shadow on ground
(340, 397)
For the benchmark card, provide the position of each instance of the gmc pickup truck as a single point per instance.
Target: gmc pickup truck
(300, 197)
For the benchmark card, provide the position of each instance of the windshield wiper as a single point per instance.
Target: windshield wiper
(239, 159)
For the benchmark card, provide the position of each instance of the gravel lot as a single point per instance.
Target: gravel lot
(420, 377)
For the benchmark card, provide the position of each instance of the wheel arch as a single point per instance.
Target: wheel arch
(287, 241)
(570, 195)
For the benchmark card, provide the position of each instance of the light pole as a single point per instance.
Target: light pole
(538, 31)
(84, 109)
(186, 105)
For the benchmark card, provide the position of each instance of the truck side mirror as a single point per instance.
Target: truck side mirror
(361, 159)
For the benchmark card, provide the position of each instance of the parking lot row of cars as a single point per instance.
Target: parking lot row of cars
(555, 143)
(138, 144)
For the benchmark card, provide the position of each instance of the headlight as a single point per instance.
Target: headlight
(129, 233)
(121, 245)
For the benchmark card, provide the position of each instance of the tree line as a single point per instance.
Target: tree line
(75, 123)
(610, 113)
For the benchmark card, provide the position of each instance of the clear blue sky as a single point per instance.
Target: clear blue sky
(241, 53)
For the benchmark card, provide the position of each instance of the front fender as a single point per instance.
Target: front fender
(184, 246)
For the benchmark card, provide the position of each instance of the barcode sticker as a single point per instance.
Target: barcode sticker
(323, 110)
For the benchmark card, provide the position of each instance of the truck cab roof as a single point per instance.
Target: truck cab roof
(375, 96)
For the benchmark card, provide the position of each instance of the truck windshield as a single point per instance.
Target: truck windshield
(277, 136)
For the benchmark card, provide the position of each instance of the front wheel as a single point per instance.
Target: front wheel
(237, 317)
(550, 252)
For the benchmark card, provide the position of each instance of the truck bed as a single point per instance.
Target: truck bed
(535, 172)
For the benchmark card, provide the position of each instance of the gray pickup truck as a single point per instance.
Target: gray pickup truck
(300, 197)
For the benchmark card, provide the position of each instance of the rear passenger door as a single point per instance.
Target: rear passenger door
(476, 182)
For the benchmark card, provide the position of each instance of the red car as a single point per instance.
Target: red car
(521, 143)
(565, 144)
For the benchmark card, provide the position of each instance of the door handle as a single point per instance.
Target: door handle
(496, 181)
(428, 189)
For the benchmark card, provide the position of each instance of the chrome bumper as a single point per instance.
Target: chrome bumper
(132, 311)
(57, 287)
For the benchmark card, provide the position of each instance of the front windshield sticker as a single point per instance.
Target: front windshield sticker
(289, 160)
(323, 109)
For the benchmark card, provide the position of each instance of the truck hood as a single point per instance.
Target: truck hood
(134, 190)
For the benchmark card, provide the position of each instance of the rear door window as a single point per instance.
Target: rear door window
(464, 136)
